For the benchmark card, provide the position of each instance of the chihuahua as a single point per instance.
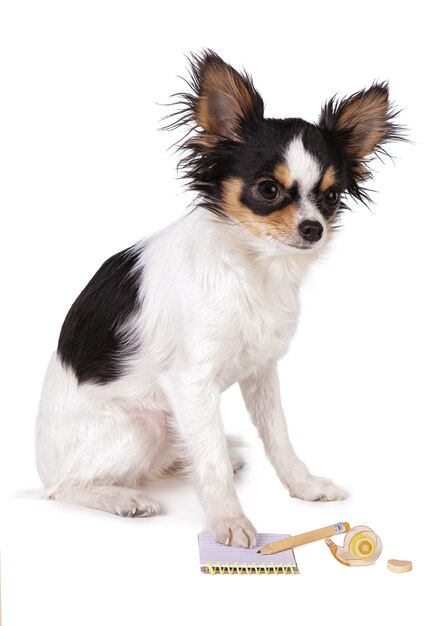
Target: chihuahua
(133, 390)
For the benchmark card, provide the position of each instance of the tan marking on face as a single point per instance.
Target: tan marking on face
(283, 175)
(331, 217)
(279, 224)
(328, 179)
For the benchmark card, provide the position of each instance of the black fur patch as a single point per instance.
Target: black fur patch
(92, 342)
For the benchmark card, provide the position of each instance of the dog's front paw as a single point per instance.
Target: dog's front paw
(315, 488)
(234, 531)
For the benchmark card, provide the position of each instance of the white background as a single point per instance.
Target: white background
(85, 173)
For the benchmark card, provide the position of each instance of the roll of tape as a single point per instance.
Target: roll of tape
(399, 566)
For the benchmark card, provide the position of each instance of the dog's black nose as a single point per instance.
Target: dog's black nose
(311, 230)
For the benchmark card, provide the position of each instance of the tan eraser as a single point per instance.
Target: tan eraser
(399, 566)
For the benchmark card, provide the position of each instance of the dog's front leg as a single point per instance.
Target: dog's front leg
(196, 407)
(261, 393)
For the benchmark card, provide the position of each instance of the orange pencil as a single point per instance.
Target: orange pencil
(298, 540)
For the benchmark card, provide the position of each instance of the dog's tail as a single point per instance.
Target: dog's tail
(46, 493)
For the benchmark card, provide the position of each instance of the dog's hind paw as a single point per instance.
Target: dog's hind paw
(236, 461)
(136, 504)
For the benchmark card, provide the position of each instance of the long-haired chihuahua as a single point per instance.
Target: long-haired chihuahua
(133, 390)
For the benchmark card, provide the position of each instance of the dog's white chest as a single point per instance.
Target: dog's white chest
(268, 327)
(260, 318)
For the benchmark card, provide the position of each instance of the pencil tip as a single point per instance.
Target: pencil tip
(258, 551)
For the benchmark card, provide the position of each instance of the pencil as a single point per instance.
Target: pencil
(298, 540)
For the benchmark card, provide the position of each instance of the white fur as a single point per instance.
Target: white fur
(303, 166)
(306, 172)
(217, 308)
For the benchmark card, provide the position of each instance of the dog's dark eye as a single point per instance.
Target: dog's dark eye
(268, 189)
(332, 197)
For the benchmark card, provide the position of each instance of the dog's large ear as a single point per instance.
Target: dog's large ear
(360, 125)
(222, 99)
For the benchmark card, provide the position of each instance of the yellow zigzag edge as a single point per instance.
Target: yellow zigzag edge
(249, 568)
